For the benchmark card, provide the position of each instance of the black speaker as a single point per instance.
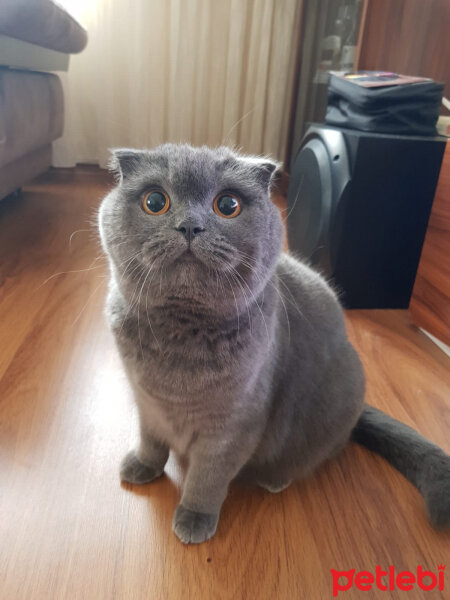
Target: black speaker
(358, 208)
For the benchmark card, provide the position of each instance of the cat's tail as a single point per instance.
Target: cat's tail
(423, 463)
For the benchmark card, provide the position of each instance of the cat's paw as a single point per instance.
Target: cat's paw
(132, 470)
(193, 527)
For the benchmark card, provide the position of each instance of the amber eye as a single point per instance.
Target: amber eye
(155, 203)
(227, 206)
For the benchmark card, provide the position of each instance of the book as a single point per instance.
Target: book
(371, 79)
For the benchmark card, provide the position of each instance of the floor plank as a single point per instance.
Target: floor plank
(70, 530)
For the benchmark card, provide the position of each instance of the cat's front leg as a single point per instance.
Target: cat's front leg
(147, 461)
(205, 488)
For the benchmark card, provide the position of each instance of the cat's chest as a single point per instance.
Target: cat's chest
(170, 426)
(175, 420)
(181, 365)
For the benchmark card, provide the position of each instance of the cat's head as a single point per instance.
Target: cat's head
(194, 221)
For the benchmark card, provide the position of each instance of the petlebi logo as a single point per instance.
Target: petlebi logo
(388, 580)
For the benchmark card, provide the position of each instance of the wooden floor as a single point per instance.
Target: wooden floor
(69, 530)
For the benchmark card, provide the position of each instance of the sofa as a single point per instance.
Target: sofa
(36, 37)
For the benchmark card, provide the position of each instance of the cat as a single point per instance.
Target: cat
(237, 353)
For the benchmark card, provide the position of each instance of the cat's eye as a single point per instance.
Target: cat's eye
(155, 202)
(227, 205)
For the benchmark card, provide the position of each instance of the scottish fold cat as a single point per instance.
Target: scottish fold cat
(237, 352)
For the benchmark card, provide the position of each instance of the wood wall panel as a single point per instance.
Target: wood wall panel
(430, 302)
(408, 36)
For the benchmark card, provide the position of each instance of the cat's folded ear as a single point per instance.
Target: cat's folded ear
(266, 170)
(124, 161)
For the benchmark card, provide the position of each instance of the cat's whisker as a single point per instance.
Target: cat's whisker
(128, 262)
(247, 256)
(233, 127)
(131, 304)
(146, 308)
(297, 196)
(293, 303)
(219, 281)
(250, 318)
(255, 301)
(285, 310)
(252, 270)
(283, 304)
(278, 292)
(90, 268)
(235, 301)
(72, 235)
(250, 262)
(233, 278)
(87, 302)
(139, 311)
(160, 281)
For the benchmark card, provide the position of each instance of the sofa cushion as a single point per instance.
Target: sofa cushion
(42, 22)
(31, 112)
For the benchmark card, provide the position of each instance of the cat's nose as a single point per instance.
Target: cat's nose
(189, 229)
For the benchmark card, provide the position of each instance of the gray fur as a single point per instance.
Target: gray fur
(237, 353)
(421, 462)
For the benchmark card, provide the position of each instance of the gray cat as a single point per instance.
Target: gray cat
(237, 353)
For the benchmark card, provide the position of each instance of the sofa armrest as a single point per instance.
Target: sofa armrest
(42, 22)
